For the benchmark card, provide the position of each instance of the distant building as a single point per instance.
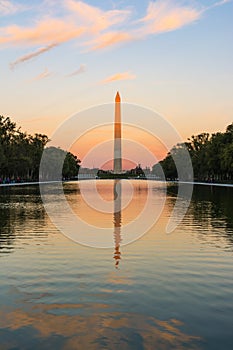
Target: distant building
(147, 171)
(88, 173)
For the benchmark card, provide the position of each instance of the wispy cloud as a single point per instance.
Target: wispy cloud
(223, 2)
(78, 71)
(8, 7)
(44, 32)
(109, 39)
(95, 28)
(166, 15)
(82, 20)
(219, 3)
(32, 55)
(95, 18)
(119, 76)
(161, 16)
(43, 75)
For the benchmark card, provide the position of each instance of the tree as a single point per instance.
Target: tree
(211, 155)
(20, 153)
(57, 164)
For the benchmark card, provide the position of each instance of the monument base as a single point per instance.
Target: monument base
(136, 173)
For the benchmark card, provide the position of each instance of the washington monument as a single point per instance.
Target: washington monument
(117, 136)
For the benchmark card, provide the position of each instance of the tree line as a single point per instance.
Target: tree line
(211, 156)
(20, 154)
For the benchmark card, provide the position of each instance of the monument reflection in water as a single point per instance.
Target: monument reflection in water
(117, 220)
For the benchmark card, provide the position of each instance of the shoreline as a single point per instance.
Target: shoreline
(28, 183)
(174, 182)
(206, 183)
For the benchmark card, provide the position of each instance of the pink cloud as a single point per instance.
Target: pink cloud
(96, 19)
(81, 20)
(109, 39)
(44, 32)
(161, 16)
(43, 75)
(166, 15)
(8, 8)
(32, 55)
(92, 26)
(80, 70)
(119, 76)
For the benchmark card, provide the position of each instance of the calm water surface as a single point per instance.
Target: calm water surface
(161, 292)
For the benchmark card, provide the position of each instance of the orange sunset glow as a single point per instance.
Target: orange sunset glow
(100, 140)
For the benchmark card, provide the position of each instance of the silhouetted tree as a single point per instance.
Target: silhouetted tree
(211, 156)
(20, 153)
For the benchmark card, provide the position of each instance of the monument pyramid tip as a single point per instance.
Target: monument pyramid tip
(118, 98)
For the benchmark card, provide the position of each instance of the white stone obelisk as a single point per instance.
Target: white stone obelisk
(117, 136)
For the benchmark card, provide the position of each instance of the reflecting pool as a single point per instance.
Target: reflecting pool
(162, 291)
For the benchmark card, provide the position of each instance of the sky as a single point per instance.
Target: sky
(61, 57)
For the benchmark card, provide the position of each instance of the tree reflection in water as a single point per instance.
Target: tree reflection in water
(20, 208)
